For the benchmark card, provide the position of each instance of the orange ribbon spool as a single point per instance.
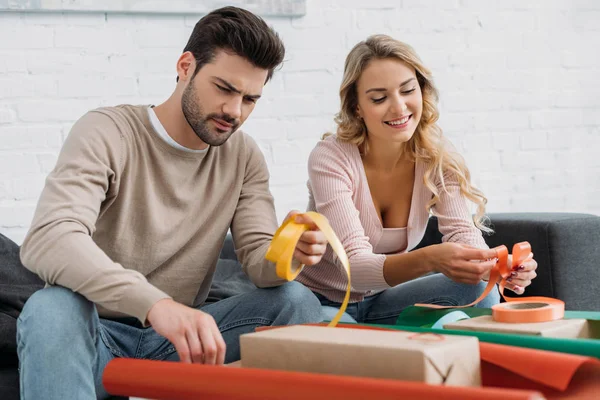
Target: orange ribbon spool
(515, 310)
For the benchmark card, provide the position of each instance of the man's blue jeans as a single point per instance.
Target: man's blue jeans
(63, 345)
(384, 308)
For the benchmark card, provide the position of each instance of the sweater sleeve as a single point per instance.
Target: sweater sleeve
(332, 182)
(255, 221)
(59, 246)
(455, 221)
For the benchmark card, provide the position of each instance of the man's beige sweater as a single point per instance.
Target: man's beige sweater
(126, 219)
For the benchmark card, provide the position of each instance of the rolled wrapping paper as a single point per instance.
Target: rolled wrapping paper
(283, 245)
(174, 380)
(515, 310)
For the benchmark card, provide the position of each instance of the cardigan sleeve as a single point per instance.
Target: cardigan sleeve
(332, 183)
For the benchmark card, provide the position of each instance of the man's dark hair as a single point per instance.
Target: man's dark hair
(239, 31)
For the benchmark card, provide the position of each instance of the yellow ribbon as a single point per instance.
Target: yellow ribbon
(283, 245)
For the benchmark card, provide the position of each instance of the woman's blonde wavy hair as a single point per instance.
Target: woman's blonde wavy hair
(428, 143)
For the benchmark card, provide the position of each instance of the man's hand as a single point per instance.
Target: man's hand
(312, 243)
(194, 333)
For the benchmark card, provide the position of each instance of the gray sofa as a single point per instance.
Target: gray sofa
(566, 246)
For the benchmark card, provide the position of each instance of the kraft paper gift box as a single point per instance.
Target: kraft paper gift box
(563, 328)
(430, 358)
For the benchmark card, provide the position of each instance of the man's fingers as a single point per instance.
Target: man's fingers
(291, 214)
(306, 220)
(194, 345)
(181, 345)
(311, 249)
(313, 237)
(208, 344)
(306, 259)
(221, 346)
(300, 218)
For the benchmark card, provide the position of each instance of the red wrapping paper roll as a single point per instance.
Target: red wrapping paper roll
(163, 380)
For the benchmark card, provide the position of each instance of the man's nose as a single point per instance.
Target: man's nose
(233, 107)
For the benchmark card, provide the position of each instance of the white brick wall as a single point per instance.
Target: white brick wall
(519, 82)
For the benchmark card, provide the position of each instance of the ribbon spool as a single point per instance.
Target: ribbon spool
(524, 309)
(282, 247)
(515, 310)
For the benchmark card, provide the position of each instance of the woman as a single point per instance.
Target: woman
(379, 179)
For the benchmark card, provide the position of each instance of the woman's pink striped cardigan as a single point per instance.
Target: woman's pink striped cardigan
(339, 190)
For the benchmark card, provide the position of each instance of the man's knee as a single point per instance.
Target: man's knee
(55, 308)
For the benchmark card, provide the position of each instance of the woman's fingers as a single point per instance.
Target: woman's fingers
(469, 253)
(467, 277)
(522, 280)
(515, 288)
(479, 269)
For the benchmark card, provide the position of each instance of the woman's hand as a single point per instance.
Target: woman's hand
(461, 263)
(521, 275)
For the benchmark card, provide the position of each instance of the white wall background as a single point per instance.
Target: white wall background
(519, 81)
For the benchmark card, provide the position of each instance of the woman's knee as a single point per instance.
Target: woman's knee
(491, 299)
(295, 303)
(298, 294)
(330, 312)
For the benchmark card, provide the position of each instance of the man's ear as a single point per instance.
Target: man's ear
(186, 66)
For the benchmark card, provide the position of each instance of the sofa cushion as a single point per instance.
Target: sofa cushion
(16, 285)
(566, 249)
(9, 383)
(8, 345)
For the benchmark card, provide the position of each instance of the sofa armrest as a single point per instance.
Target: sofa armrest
(566, 247)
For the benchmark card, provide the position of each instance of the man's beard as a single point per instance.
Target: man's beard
(192, 111)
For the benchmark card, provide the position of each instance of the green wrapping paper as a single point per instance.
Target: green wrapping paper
(419, 319)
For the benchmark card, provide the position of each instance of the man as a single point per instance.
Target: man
(132, 219)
